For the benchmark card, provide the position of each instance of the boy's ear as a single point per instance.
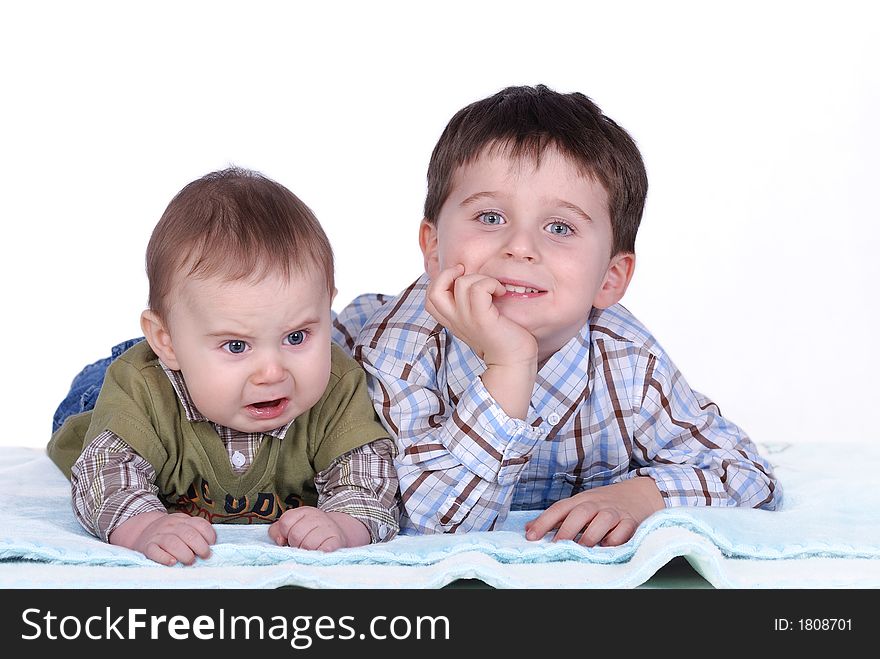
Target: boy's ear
(617, 278)
(159, 338)
(428, 243)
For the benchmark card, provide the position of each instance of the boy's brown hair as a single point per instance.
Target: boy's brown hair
(237, 224)
(524, 121)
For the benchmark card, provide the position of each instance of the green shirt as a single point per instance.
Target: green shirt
(138, 403)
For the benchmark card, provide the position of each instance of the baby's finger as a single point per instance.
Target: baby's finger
(175, 546)
(205, 529)
(155, 553)
(297, 533)
(317, 537)
(192, 537)
(330, 543)
(279, 529)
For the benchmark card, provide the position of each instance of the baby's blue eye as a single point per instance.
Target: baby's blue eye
(236, 347)
(492, 219)
(295, 338)
(559, 229)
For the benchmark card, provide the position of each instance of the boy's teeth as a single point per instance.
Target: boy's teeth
(519, 289)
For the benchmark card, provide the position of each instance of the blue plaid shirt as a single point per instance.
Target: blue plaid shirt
(608, 406)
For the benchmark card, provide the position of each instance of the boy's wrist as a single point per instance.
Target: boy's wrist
(511, 386)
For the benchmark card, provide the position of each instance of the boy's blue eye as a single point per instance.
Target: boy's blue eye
(295, 338)
(492, 219)
(236, 347)
(559, 229)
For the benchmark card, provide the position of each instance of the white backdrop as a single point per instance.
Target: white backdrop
(758, 122)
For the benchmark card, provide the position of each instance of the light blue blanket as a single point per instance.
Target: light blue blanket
(827, 535)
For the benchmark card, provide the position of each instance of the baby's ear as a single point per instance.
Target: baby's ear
(159, 338)
(617, 278)
(428, 243)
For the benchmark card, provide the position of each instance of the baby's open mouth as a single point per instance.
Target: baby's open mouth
(267, 409)
(268, 403)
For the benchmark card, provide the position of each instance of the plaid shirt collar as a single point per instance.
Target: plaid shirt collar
(192, 413)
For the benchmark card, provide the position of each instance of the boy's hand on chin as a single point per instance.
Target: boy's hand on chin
(464, 304)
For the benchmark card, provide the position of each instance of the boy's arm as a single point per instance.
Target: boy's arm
(458, 460)
(459, 457)
(695, 456)
(362, 484)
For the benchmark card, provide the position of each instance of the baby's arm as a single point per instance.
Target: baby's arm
(114, 498)
(166, 538)
(357, 503)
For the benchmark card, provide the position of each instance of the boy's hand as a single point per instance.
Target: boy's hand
(313, 528)
(607, 515)
(166, 538)
(464, 304)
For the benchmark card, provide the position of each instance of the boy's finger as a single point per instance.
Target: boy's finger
(442, 302)
(620, 533)
(543, 523)
(601, 523)
(477, 293)
(435, 313)
(574, 523)
(446, 278)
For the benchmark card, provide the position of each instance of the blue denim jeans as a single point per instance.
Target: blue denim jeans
(86, 385)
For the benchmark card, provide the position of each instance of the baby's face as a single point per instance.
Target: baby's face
(545, 233)
(254, 355)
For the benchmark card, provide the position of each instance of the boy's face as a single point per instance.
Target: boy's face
(544, 232)
(254, 355)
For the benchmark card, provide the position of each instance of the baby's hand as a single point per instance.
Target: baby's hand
(607, 515)
(463, 303)
(166, 538)
(308, 528)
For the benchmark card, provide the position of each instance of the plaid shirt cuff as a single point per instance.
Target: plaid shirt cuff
(363, 483)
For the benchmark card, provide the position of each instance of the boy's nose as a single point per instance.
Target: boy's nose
(521, 245)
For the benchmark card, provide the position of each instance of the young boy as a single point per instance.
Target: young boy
(236, 408)
(509, 375)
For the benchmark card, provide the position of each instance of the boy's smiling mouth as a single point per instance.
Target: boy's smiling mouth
(520, 289)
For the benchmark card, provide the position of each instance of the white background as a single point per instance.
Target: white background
(758, 122)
